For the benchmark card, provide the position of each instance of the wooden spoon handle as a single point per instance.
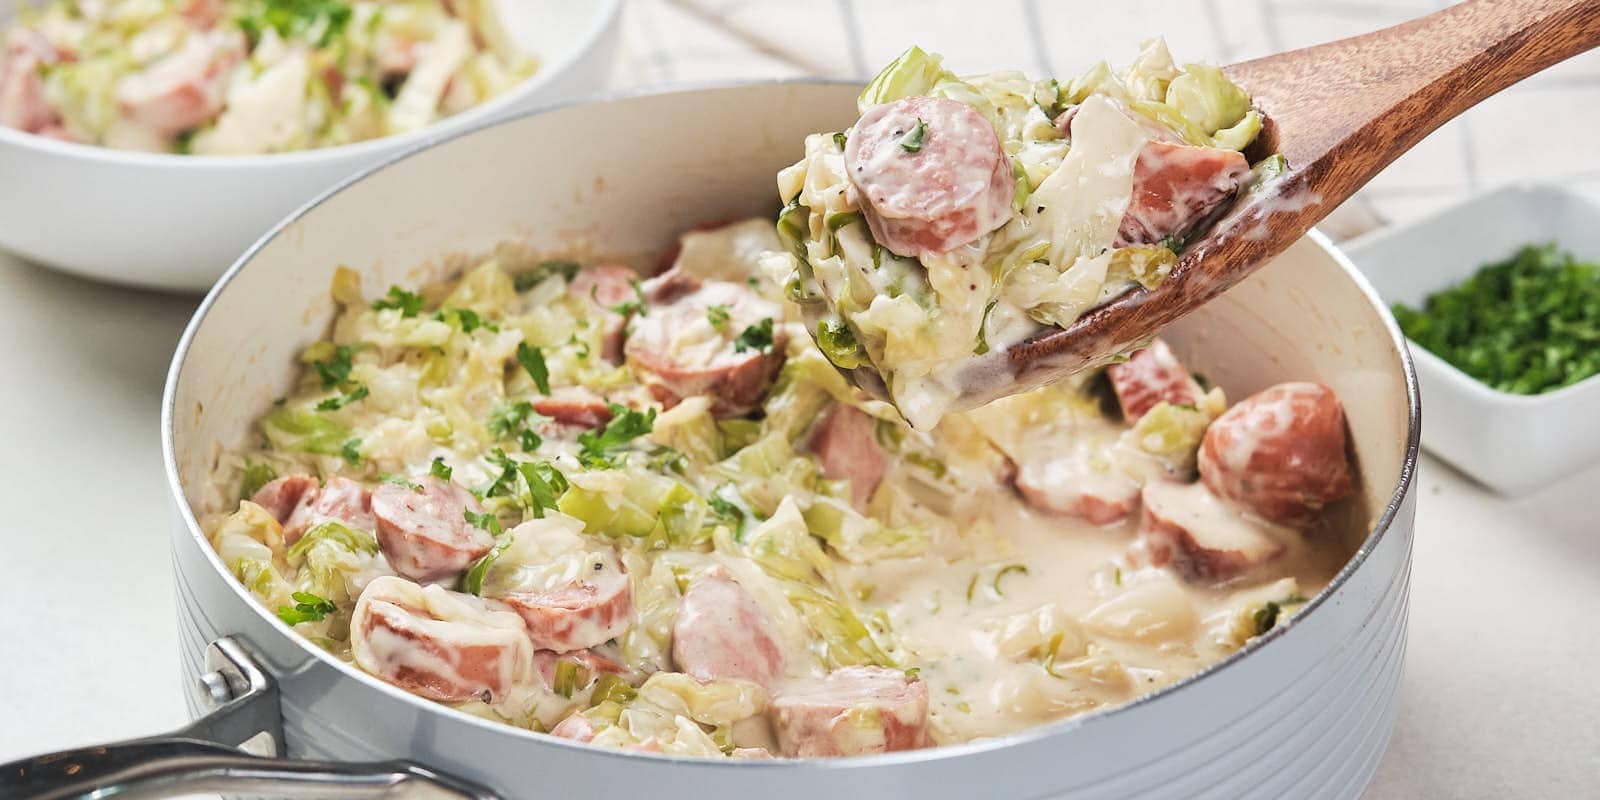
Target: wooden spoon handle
(1383, 91)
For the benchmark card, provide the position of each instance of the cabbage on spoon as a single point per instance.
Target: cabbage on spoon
(961, 216)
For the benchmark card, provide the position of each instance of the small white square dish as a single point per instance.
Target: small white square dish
(1512, 443)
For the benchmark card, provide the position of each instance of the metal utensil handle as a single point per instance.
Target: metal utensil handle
(210, 756)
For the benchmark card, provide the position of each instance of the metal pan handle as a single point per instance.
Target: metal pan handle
(210, 755)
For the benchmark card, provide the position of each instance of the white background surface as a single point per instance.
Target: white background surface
(1501, 696)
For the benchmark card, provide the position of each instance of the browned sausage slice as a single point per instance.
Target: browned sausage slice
(577, 727)
(721, 632)
(678, 351)
(1175, 187)
(1202, 535)
(300, 504)
(853, 711)
(1151, 376)
(184, 90)
(438, 644)
(573, 405)
(1066, 484)
(607, 286)
(929, 175)
(424, 533)
(1279, 453)
(845, 442)
(580, 615)
(23, 104)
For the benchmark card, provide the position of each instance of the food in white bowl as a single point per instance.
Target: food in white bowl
(243, 77)
(1303, 710)
(172, 221)
(959, 216)
(649, 514)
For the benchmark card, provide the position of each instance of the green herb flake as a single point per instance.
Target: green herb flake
(634, 306)
(440, 470)
(399, 480)
(307, 608)
(409, 304)
(596, 446)
(532, 360)
(733, 515)
(912, 142)
(336, 370)
(717, 315)
(351, 452)
(527, 280)
(755, 337)
(839, 140)
(339, 401)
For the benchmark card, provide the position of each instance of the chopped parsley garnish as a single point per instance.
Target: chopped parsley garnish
(533, 277)
(485, 520)
(717, 315)
(472, 582)
(755, 337)
(317, 21)
(543, 483)
(351, 451)
(339, 401)
(307, 608)
(335, 370)
(1525, 325)
(839, 139)
(409, 304)
(912, 142)
(466, 319)
(729, 513)
(595, 448)
(634, 306)
(440, 470)
(517, 419)
(532, 360)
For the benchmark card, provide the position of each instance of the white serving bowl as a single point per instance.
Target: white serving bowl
(1513, 443)
(176, 222)
(1303, 712)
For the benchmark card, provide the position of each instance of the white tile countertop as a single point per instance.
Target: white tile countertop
(1499, 697)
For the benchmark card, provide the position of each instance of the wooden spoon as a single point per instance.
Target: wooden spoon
(1339, 113)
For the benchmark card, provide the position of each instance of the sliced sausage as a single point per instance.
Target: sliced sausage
(436, 643)
(1151, 376)
(299, 504)
(669, 286)
(1176, 187)
(678, 352)
(607, 286)
(1203, 536)
(573, 405)
(721, 632)
(201, 13)
(928, 174)
(22, 101)
(588, 612)
(577, 727)
(845, 442)
(1066, 484)
(424, 533)
(186, 89)
(1279, 453)
(853, 711)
